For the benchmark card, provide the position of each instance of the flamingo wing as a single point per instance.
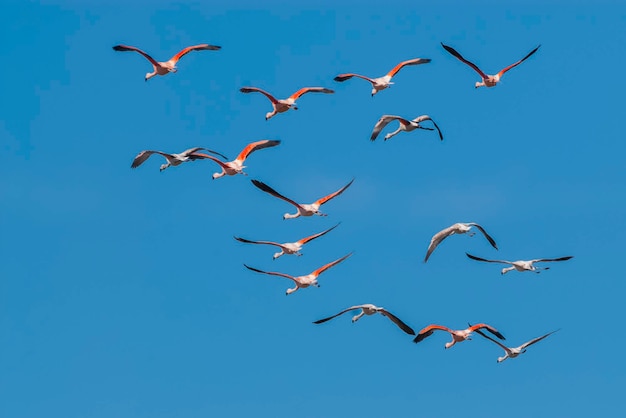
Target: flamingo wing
(473, 257)
(144, 155)
(426, 117)
(428, 331)
(329, 265)
(325, 199)
(255, 146)
(263, 92)
(460, 57)
(384, 121)
(436, 240)
(536, 340)
(319, 234)
(505, 69)
(124, 48)
(247, 241)
(321, 321)
(504, 347)
(271, 273)
(488, 328)
(553, 259)
(481, 229)
(199, 155)
(201, 47)
(193, 152)
(305, 90)
(404, 327)
(343, 77)
(268, 189)
(414, 61)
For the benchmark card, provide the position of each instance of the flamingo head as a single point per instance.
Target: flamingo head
(217, 175)
(276, 255)
(450, 344)
(479, 84)
(269, 115)
(163, 167)
(501, 359)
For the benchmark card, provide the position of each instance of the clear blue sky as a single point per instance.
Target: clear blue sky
(123, 293)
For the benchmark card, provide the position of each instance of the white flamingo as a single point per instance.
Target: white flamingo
(405, 125)
(284, 105)
(236, 166)
(458, 228)
(457, 335)
(303, 209)
(487, 80)
(288, 247)
(172, 159)
(516, 351)
(383, 82)
(369, 309)
(521, 265)
(166, 67)
(303, 281)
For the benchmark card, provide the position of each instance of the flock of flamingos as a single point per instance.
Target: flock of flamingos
(236, 166)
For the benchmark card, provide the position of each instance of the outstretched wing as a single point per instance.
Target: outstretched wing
(247, 241)
(414, 61)
(343, 77)
(201, 47)
(404, 327)
(257, 90)
(473, 257)
(382, 122)
(428, 331)
(268, 189)
(271, 273)
(124, 48)
(481, 229)
(329, 265)
(319, 234)
(305, 90)
(460, 57)
(426, 117)
(507, 349)
(320, 321)
(488, 328)
(436, 240)
(553, 259)
(536, 340)
(325, 199)
(143, 156)
(255, 146)
(505, 69)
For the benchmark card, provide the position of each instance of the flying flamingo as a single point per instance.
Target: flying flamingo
(236, 166)
(405, 125)
(166, 67)
(383, 82)
(303, 281)
(369, 309)
(303, 209)
(521, 265)
(172, 159)
(487, 80)
(457, 335)
(458, 228)
(514, 352)
(281, 106)
(288, 247)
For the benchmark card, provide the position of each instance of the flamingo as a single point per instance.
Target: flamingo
(303, 209)
(369, 309)
(172, 159)
(457, 335)
(521, 265)
(516, 351)
(281, 106)
(405, 125)
(303, 281)
(166, 67)
(383, 82)
(487, 80)
(236, 166)
(288, 247)
(458, 228)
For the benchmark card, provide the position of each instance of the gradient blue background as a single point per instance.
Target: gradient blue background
(123, 294)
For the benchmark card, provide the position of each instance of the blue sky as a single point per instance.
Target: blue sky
(123, 293)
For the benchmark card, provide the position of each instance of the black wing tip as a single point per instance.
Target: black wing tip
(418, 338)
(119, 48)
